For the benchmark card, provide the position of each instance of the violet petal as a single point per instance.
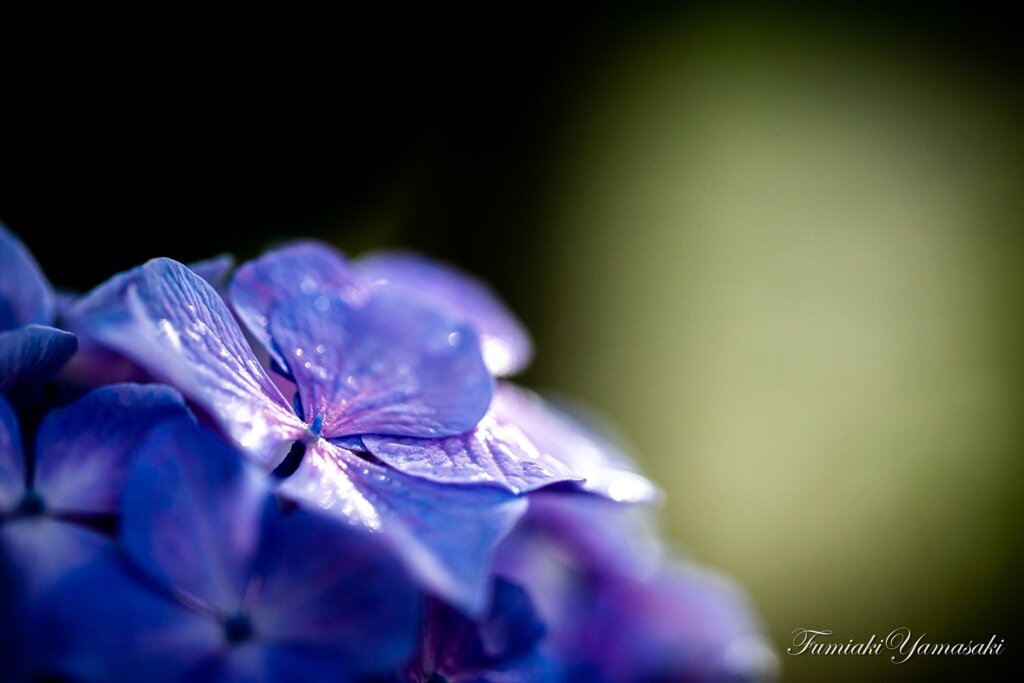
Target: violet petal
(30, 356)
(12, 460)
(25, 295)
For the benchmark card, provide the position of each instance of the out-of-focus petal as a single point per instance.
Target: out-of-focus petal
(495, 453)
(279, 278)
(15, 638)
(606, 470)
(172, 322)
(83, 451)
(505, 343)
(30, 356)
(25, 295)
(106, 623)
(216, 270)
(333, 588)
(386, 367)
(190, 514)
(12, 461)
(501, 645)
(44, 549)
(446, 534)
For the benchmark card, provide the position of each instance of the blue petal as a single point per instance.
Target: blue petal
(334, 589)
(174, 325)
(83, 451)
(12, 461)
(190, 515)
(262, 286)
(30, 356)
(505, 343)
(15, 640)
(215, 270)
(105, 623)
(25, 295)
(446, 534)
(496, 453)
(45, 549)
(380, 366)
(581, 450)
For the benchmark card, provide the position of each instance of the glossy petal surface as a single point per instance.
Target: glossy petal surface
(25, 295)
(335, 589)
(190, 515)
(172, 322)
(84, 451)
(606, 470)
(30, 356)
(12, 461)
(495, 453)
(106, 623)
(506, 345)
(446, 534)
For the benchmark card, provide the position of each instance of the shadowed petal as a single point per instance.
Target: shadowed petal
(172, 322)
(495, 452)
(446, 534)
(305, 269)
(25, 295)
(44, 549)
(584, 453)
(335, 589)
(30, 356)
(12, 461)
(83, 451)
(190, 514)
(506, 345)
(106, 623)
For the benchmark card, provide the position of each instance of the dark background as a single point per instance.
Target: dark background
(125, 138)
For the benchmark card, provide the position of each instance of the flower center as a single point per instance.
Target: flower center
(31, 504)
(238, 629)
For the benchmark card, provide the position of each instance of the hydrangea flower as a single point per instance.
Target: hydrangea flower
(376, 369)
(31, 350)
(215, 581)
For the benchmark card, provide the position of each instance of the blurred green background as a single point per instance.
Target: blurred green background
(781, 249)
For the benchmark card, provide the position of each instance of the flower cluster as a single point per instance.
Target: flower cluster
(312, 469)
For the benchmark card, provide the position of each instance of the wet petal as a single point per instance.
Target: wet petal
(495, 452)
(83, 451)
(387, 367)
(25, 295)
(446, 534)
(106, 623)
(190, 514)
(277, 279)
(506, 345)
(582, 451)
(334, 589)
(12, 462)
(30, 356)
(172, 322)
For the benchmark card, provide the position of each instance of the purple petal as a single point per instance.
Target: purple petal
(45, 549)
(496, 453)
(584, 453)
(215, 270)
(384, 365)
(190, 515)
(446, 534)
(506, 345)
(335, 589)
(172, 322)
(30, 356)
(25, 295)
(262, 286)
(104, 623)
(12, 461)
(83, 451)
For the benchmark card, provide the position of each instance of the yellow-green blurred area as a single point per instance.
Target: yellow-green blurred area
(781, 248)
(789, 265)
